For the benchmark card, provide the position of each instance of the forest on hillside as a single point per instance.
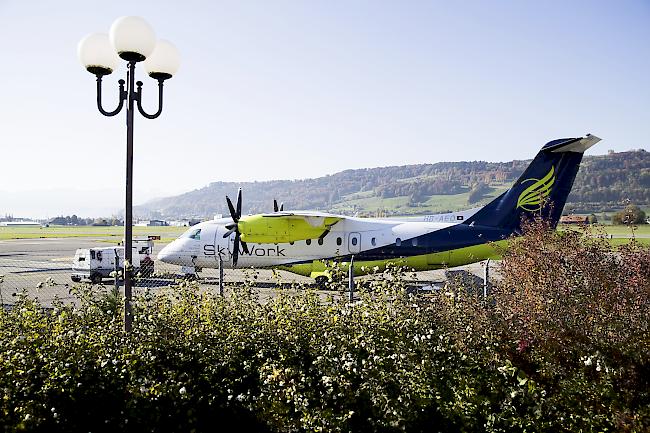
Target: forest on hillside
(604, 182)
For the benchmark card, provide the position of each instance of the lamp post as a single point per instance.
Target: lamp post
(132, 40)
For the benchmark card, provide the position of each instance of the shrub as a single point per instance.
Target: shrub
(576, 312)
(561, 345)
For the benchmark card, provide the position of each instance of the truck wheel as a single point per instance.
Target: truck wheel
(96, 278)
(76, 278)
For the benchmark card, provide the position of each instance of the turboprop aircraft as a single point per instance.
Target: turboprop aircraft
(303, 241)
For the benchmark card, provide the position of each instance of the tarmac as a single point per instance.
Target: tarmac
(42, 268)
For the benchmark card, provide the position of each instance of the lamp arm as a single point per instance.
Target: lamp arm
(122, 97)
(138, 98)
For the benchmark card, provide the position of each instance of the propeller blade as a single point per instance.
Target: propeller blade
(244, 247)
(238, 204)
(275, 205)
(231, 208)
(231, 226)
(229, 232)
(235, 252)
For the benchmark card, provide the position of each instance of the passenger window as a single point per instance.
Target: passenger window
(398, 242)
(354, 241)
(82, 259)
(373, 241)
(339, 241)
(414, 241)
(320, 241)
(308, 241)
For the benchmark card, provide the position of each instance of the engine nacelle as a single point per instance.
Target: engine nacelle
(279, 229)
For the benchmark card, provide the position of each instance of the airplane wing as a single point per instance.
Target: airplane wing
(303, 213)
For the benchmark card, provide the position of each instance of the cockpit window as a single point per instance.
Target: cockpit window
(192, 234)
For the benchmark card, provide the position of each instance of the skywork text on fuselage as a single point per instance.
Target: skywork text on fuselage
(258, 251)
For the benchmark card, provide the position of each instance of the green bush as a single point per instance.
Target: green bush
(389, 362)
(630, 215)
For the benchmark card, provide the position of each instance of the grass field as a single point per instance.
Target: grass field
(619, 234)
(113, 233)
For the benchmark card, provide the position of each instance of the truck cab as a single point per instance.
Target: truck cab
(97, 263)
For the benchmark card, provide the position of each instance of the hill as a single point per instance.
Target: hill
(604, 182)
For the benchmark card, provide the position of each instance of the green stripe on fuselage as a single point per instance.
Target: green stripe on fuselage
(424, 262)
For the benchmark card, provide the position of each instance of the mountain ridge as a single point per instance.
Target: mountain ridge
(603, 182)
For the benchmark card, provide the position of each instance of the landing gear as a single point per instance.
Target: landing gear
(190, 272)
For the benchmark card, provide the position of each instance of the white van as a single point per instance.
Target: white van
(95, 264)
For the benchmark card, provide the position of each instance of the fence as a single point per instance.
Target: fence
(43, 269)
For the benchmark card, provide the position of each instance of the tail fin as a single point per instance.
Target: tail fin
(547, 180)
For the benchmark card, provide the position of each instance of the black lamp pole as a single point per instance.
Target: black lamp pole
(134, 97)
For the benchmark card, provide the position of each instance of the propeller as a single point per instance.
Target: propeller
(275, 206)
(235, 214)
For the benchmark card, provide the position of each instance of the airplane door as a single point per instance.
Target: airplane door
(354, 243)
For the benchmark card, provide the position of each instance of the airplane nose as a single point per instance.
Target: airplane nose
(165, 255)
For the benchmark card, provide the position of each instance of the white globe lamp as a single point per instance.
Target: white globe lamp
(132, 38)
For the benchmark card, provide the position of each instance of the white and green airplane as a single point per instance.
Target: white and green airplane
(303, 241)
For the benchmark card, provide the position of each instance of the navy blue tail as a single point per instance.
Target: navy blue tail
(541, 190)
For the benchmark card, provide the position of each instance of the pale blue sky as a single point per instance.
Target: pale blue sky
(295, 89)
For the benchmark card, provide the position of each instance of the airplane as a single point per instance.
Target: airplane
(303, 242)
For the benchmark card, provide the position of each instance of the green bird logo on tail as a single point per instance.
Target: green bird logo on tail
(532, 197)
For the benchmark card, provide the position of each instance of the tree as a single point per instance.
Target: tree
(477, 192)
(632, 214)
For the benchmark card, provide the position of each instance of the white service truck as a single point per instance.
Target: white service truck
(97, 263)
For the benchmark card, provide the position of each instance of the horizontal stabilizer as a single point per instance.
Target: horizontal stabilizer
(577, 145)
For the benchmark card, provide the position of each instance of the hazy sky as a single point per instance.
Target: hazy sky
(295, 89)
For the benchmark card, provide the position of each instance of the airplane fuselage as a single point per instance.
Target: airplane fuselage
(421, 244)
(302, 241)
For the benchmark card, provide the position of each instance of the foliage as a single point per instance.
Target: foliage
(630, 215)
(477, 192)
(613, 178)
(576, 312)
(561, 345)
(73, 220)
